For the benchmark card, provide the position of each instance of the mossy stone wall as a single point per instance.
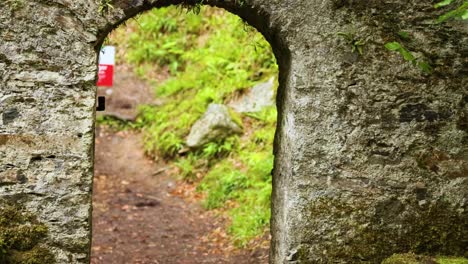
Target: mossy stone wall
(371, 153)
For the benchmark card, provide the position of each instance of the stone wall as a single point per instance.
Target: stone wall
(371, 153)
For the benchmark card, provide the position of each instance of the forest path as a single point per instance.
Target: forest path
(139, 213)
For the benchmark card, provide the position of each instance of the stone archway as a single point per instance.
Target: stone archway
(371, 154)
(255, 14)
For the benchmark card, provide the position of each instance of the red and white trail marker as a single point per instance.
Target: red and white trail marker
(106, 66)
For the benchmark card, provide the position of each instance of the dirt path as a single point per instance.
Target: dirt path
(138, 216)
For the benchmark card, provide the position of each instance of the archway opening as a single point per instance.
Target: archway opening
(184, 149)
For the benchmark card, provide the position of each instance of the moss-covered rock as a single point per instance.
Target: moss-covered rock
(452, 260)
(20, 236)
(409, 258)
(37, 255)
(430, 228)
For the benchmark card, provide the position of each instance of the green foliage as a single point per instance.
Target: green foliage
(163, 36)
(356, 43)
(252, 216)
(223, 182)
(105, 6)
(460, 12)
(443, 3)
(408, 56)
(396, 46)
(210, 56)
(267, 115)
(404, 35)
(220, 149)
(187, 166)
(246, 181)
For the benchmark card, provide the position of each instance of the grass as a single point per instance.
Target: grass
(116, 124)
(211, 56)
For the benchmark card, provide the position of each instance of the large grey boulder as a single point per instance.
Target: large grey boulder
(257, 98)
(216, 123)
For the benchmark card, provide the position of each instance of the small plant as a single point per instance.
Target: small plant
(408, 56)
(194, 7)
(187, 166)
(459, 13)
(105, 6)
(404, 35)
(252, 216)
(222, 183)
(267, 115)
(357, 44)
(219, 149)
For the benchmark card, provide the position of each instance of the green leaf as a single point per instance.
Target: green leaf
(425, 67)
(406, 54)
(460, 12)
(464, 15)
(404, 35)
(347, 36)
(393, 46)
(446, 16)
(360, 50)
(443, 3)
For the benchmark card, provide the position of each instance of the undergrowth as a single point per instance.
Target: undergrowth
(211, 57)
(116, 123)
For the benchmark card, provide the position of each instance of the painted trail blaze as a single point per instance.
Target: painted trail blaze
(106, 66)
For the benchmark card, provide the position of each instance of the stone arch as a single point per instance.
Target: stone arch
(372, 151)
(251, 12)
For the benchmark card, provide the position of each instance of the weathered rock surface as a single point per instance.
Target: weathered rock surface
(256, 98)
(216, 124)
(371, 154)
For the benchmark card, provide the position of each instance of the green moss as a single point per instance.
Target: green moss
(37, 255)
(20, 236)
(409, 258)
(452, 260)
(436, 228)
